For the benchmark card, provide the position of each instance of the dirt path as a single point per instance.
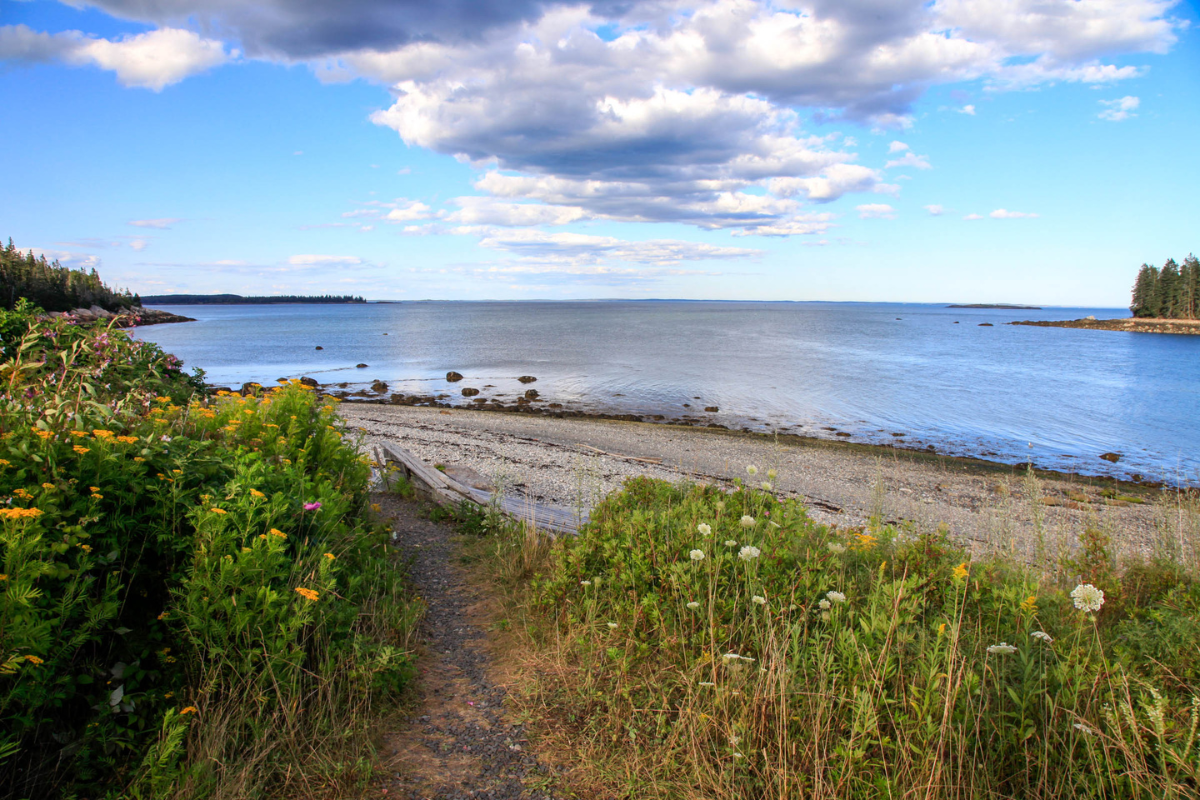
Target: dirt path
(458, 742)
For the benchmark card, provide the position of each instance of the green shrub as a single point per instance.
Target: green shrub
(737, 649)
(187, 583)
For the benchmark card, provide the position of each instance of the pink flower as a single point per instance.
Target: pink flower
(311, 506)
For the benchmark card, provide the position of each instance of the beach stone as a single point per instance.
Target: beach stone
(307, 381)
(556, 405)
(531, 394)
(469, 392)
(397, 399)
(453, 377)
(1111, 457)
(361, 366)
(479, 400)
(712, 409)
(215, 389)
(379, 387)
(320, 348)
(249, 389)
(842, 433)
(527, 379)
(986, 325)
(522, 401)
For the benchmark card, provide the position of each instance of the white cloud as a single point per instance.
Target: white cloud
(935, 210)
(968, 109)
(973, 216)
(409, 211)
(909, 160)
(152, 60)
(875, 211)
(138, 244)
(490, 211)
(324, 261)
(1117, 110)
(897, 147)
(1001, 213)
(163, 223)
(68, 258)
(579, 248)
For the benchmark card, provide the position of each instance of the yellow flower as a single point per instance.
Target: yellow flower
(863, 541)
(47, 485)
(306, 593)
(94, 488)
(189, 710)
(961, 571)
(941, 629)
(256, 493)
(177, 471)
(277, 532)
(97, 496)
(1029, 604)
(20, 513)
(87, 548)
(167, 399)
(138, 458)
(330, 556)
(80, 450)
(162, 616)
(376, 507)
(4, 462)
(3, 577)
(22, 493)
(127, 439)
(216, 510)
(42, 433)
(80, 434)
(168, 695)
(103, 434)
(34, 660)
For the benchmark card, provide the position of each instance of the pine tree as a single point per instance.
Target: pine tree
(1143, 288)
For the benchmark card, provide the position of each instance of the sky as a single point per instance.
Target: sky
(1024, 151)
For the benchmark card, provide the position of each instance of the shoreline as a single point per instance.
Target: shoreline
(572, 462)
(1126, 324)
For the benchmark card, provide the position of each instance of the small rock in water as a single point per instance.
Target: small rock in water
(320, 348)
(527, 379)
(469, 392)
(361, 366)
(1090, 318)
(986, 325)
(712, 409)
(1111, 457)
(531, 394)
(453, 377)
(379, 387)
(307, 381)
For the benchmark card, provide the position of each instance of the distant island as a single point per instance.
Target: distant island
(237, 299)
(995, 305)
(1164, 300)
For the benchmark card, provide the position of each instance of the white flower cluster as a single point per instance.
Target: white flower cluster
(835, 597)
(748, 553)
(735, 657)
(704, 528)
(1087, 597)
(1042, 636)
(1002, 649)
(759, 600)
(696, 555)
(752, 470)
(731, 543)
(747, 521)
(766, 486)
(837, 547)
(612, 625)
(693, 605)
(825, 605)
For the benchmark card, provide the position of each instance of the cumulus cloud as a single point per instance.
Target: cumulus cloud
(935, 210)
(897, 147)
(1117, 110)
(163, 223)
(152, 60)
(584, 249)
(409, 211)
(68, 258)
(875, 211)
(1002, 213)
(909, 159)
(324, 261)
(967, 109)
(490, 211)
(138, 244)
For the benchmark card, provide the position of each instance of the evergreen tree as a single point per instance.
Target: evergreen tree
(1168, 289)
(1143, 291)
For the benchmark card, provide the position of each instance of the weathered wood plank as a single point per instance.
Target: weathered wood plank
(444, 490)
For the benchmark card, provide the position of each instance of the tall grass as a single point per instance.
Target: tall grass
(695, 643)
(193, 599)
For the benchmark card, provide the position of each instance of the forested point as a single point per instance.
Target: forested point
(237, 299)
(53, 287)
(1172, 292)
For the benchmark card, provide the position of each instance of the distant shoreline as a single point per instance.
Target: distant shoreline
(255, 300)
(1008, 306)
(1127, 324)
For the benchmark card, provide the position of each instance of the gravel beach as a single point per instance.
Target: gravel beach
(573, 463)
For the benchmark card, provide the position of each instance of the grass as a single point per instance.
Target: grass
(194, 599)
(841, 664)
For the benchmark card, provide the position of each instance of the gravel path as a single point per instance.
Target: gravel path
(458, 743)
(572, 463)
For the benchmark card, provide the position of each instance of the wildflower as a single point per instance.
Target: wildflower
(311, 506)
(4, 462)
(752, 470)
(103, 434)
(42, 433)
(79, 449)
(93, 488)
(733, 740)
(80, 434)
(34, 660)
(747, 521)
(1002, 649)
(216, 510)
(277, 532)
(825, 605)
(706, 683)
(330, 556)
(87, 548)
(748, 553)
(730, 543)
(836, 547)
(1029, 604)
(47, 485)
(23, 494)
(376, 507)
(306, 593)
(162, 616)
(696, 555)
(127, 439)
(3, 577)
(759, 600)
(704, 528)
(585, 583)
(864, 541)
(961, 571)
(693, 605)
(596, 581)
(189, 710)
(771, 474)
(138, 458)
(1087, 597)
(256, 493)
(941, 629)
(1084, 729)
(612, 625)
(1043, 636)
(835, 597)
(720, 505)
(766, 486)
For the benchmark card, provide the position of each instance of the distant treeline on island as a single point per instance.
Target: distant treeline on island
(237, 299)
(53, 287)
(1172, 292)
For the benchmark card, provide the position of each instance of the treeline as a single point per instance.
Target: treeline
(1172, 292)
(52, 286)
(237, 299)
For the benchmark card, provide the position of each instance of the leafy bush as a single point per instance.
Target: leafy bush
(737, 649)
(191, 595)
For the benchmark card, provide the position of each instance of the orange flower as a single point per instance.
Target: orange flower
(277, 532)
(34, 660)
(216, 510)
(42, 433)
(330, 556)
(307, 593)
(80, 434)
(127, 439)
(80, 450)
(256, 493)
(47, 485)
(103, 434)
(189, 710)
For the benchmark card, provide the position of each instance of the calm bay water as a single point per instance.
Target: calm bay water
(867, 369)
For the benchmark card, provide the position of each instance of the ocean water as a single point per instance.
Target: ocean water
(1055, 396)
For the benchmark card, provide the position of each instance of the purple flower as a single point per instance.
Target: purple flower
(311, 506)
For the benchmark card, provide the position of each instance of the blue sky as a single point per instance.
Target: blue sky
(1032, 151)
